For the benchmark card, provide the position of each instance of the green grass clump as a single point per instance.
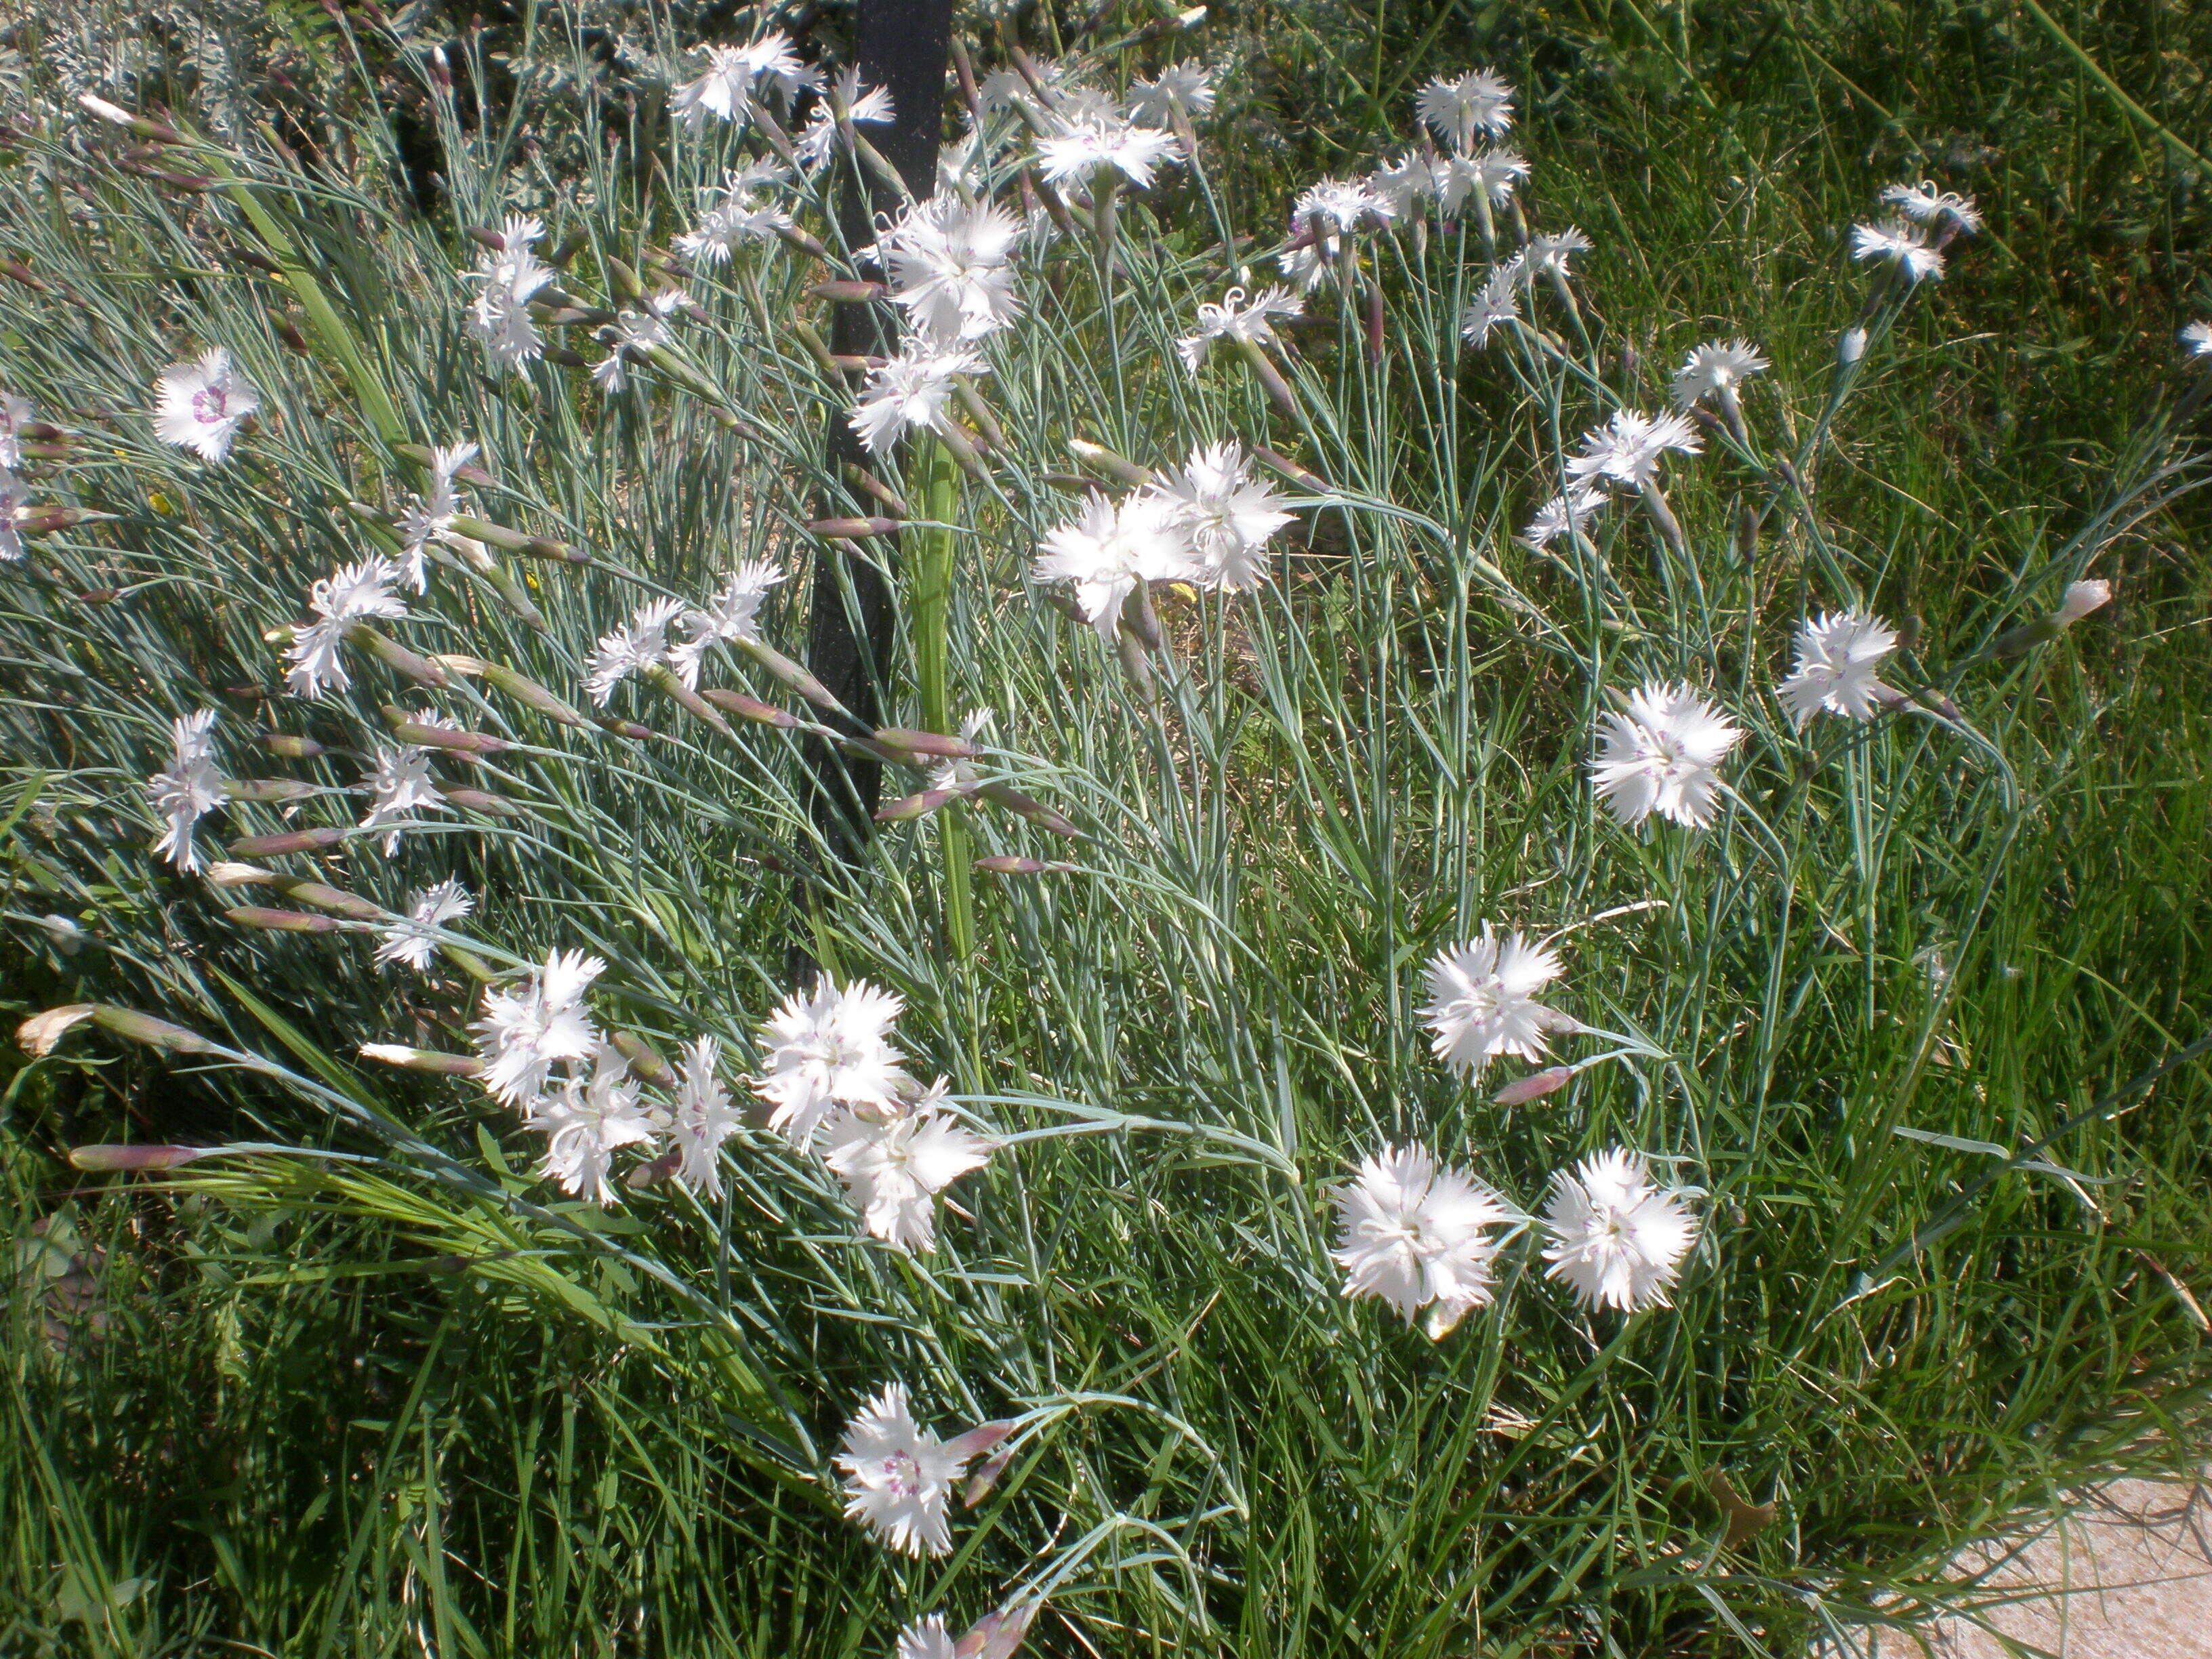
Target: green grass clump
(1919, 1019)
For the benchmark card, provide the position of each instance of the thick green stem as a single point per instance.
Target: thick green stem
(932, 624)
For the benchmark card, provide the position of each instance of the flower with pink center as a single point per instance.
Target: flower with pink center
(899, 1476)
(200, 406)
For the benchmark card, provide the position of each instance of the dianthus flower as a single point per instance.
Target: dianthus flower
(1663, 756)
(1616, 1238)
(1413, 1235)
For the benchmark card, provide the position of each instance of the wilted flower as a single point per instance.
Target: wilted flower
(1097, 138)
(633, 335)
(401, 783)
(1181, 86)
(410, 941)
(1482, 1002)
(1628, 448)
(1108, 549)
(1497, 305)
(339, 600)
(899, 1477)
(1233, 320)
(200, 406)
(703, 1118)
(863, 105)
(1226, 514)
(1902, 243)
(585, 1120)
(737, 218)
(894, 1164)
(510, 276)
(1413, 1234)
(1458, 109)
(1837, 656)
(638, 645)
(948, 265)
(831, 1048)
(1563, 515)
(1615, 1237)
(914, 389)
(189, 789)
(2081, 597)
(735, 617)
(1716, 370)
(526, 1031)
(1924, 204)
(431, 519)
(2197, 338)
(1663, 756)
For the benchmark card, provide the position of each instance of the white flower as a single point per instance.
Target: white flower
(1547, 256)
(1233, 320)
(1663, 756)
(189, 789)
(410, 941)
(1458, 109)
(927, 1638)
(1108, 549)
(898, 1476)
(1100, 138)
(633, 335)
(1305, 266)
(1497, 305)
(526, 1031)
(200, 406)
(1226, 516)
(431, 519)
(863, 105)
(401, 785)
(1413, 1234)
(1924, 204)
(958, 774)
(1716, 368)
(1903, 243)
(831, 1048)
(2081, 597)
(637, 646)
(1628, 448)
(511, 277)
(1405, 184)
(586, 1121)
(894, 1165)
(1616, 1238)
(339, 600)
(703, 1118)
(15, 416)
(726, 89)
(11, 505)
(947, 263)
(1003, 89)
(1493, 173)
(1837, 660)
(1336, 207)
(737, 218)
(914, 389)
(1180, 86)
(1482, 1002)
(1563, 515)
(734, 617)
(2197, 336)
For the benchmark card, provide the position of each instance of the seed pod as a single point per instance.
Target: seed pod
(281, 921)
(290, 841)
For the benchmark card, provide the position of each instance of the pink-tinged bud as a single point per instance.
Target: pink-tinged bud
(291, 748)
(849, 293)
(442, 76)
(227, 874)
(622, 728)
(396, 656)
(792, 675)
(1374, 323)
(644, 1059)
(1028, 807)
(490, 239)
(291, 840)
(1099, 458)
(281, 921)
(123, 117)
(655, 1170)
(267, 789)
(2081, 597)
(128, 1023)
(104, 1160)
(997, 1635)
(908, 807)
(475, 801)
(1291, 470)
(422, 1059)
(334, 899)
(1535, 1086)
(438, 737)
(854, 529)
(752, 708)
(927, 743)
(37, 1034)
(1006, 863)
(981, 1483)
(523, 690)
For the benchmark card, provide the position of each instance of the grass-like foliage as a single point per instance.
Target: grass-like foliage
(417, 1286)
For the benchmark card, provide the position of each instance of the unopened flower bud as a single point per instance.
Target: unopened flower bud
(752, 708)
(475, 801)
(227, 873)
(291, 748)
(644, 1059)
(1006, 863)
(1535, 1086)
(37, 1034)
(130, 1024)
(281, 921)
(2081, 597)
(291, 840)
(422, 1059)
(108, 1159)
(1852, 347)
